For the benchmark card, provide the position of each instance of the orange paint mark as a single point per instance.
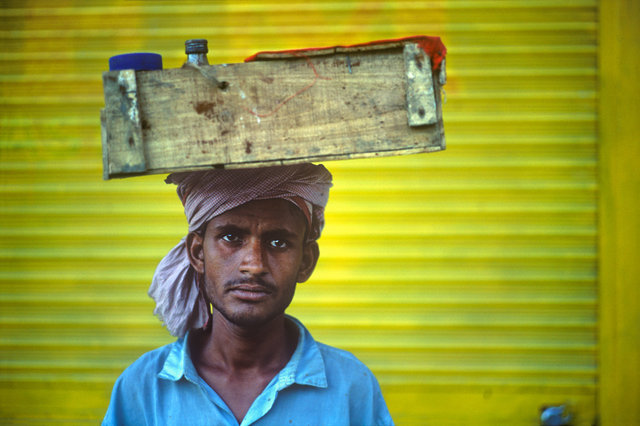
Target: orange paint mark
(316, 77)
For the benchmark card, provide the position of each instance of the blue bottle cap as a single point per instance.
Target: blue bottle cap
(136, 61)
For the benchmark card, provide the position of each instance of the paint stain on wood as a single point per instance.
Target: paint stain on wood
(205, 108)
(247, 147)
(205, 145)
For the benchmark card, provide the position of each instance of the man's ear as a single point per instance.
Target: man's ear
(195, 250)
(310, 255)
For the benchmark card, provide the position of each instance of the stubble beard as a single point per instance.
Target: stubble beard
(245, 318)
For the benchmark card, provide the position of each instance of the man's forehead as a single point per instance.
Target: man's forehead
(276, 212)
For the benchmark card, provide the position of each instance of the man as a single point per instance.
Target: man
(223, 291)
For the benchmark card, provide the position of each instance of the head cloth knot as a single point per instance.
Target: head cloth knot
(207, 194)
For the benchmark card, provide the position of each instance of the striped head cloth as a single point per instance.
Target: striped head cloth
(207, 194)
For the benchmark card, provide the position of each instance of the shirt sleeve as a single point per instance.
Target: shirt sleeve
(124, 407)
(375, 407)
(381, 412)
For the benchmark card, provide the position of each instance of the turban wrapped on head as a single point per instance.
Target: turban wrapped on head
(207, 194)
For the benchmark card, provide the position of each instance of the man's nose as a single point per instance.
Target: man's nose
(253, 261)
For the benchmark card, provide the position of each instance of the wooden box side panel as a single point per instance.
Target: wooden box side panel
(349, 105)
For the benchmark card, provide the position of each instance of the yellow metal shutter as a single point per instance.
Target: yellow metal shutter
(465, 279)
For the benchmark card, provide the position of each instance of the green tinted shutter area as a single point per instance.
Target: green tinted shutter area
(465, 279)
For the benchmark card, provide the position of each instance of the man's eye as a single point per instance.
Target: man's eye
(277, 243)
(230, 238)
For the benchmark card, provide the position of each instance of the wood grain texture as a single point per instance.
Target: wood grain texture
(344, 105)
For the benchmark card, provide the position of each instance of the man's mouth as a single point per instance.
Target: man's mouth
(249, 292)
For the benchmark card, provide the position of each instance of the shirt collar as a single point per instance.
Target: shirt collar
(175, 366)
(306, 366)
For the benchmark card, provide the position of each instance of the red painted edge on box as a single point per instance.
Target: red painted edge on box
(433, 46)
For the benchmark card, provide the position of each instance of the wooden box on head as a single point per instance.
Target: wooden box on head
(367, 100)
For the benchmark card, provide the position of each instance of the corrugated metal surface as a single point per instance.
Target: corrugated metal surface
(465, 279)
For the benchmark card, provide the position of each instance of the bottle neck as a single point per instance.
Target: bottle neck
(198, 58)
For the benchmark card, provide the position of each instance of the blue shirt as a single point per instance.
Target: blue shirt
(320, 385)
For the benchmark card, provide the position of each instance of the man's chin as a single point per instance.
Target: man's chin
(248, 319)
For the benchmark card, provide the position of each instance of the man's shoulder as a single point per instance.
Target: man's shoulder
(147, 366)
(341, 356)
(344, 364)
(348, 375)
(134, 391)
(337, 362)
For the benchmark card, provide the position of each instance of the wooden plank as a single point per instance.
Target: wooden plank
(350, 104)
(124, 151)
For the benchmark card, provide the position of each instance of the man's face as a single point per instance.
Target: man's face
(252, 257)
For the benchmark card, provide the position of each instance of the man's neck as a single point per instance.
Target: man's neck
(233, 349)
(239, 362)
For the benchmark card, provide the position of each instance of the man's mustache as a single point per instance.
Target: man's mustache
(253, 281)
